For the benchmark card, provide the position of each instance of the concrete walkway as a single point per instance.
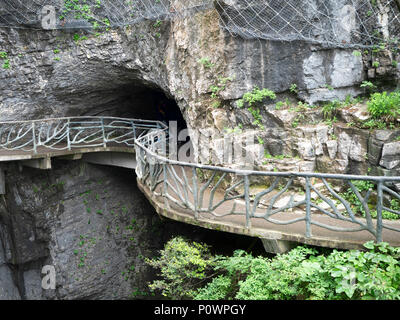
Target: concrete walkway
(279, 231)
(277, 238)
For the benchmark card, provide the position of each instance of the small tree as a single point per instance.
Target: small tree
(183, 267)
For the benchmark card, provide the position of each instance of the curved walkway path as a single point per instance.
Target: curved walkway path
(281, 208)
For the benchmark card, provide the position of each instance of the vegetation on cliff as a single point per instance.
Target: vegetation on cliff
(188, 270)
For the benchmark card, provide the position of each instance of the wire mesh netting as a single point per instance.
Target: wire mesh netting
(363, 23)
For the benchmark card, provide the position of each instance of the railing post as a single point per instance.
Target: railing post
(133, 129)
(379, 209)
(104, 133)
(68, 137)
(308, 207)
(247, 199)
(195, 194)
(34, 137)
(165, 185)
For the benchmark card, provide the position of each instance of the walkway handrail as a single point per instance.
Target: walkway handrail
(315, 199)
(155, 122)
(72, 132)
(183, 188)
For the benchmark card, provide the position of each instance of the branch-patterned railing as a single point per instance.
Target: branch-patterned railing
(316, 200)
(73, 132)
(280, 198)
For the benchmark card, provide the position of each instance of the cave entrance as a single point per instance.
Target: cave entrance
(137, 102)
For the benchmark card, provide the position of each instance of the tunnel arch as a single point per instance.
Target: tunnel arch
(137, 102)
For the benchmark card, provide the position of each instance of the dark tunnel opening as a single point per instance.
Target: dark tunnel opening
(139, 102)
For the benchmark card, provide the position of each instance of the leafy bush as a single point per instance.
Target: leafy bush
(183, 267)
(384, 106)
(302, 273)
(255, 96)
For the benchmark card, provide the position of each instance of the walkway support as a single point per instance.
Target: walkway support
(278, 246)
(115, 159)
(42, 164)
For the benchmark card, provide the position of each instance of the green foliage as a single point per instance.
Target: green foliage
(252, 98)
(183, 266)
(77, 38)
(219, 86)
(384, 106)
(368, 85)
(302, 273)
(206, 62)
(157, 24)
(375, 64)
(357, 207)
(330, 109)
(279, 105)
(82, 10)
(376, 124)
(255, 96)
(351, 197)
(6, 60)
(218, 289)
(257, 117)
(293, 88)
(260, 140)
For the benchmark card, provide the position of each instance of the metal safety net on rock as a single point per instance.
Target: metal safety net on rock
(332, 22)
(362, 23)
(95, 14)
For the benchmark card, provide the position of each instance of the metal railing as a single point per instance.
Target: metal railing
(329, 201)
(72, 132)
(280, 198)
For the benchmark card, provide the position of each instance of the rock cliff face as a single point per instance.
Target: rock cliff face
(45, 218)
(89, 222)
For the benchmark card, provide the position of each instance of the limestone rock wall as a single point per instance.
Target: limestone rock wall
(93, 225)
(193, 60)
(44, 217)
(89, 222)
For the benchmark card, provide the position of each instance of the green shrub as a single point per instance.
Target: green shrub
(384, 106)
(330, 109)
(255, 96)
(6, 60)
(183, 267)
(304, 274)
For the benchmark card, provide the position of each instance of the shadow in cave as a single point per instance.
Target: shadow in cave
(139, 102)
